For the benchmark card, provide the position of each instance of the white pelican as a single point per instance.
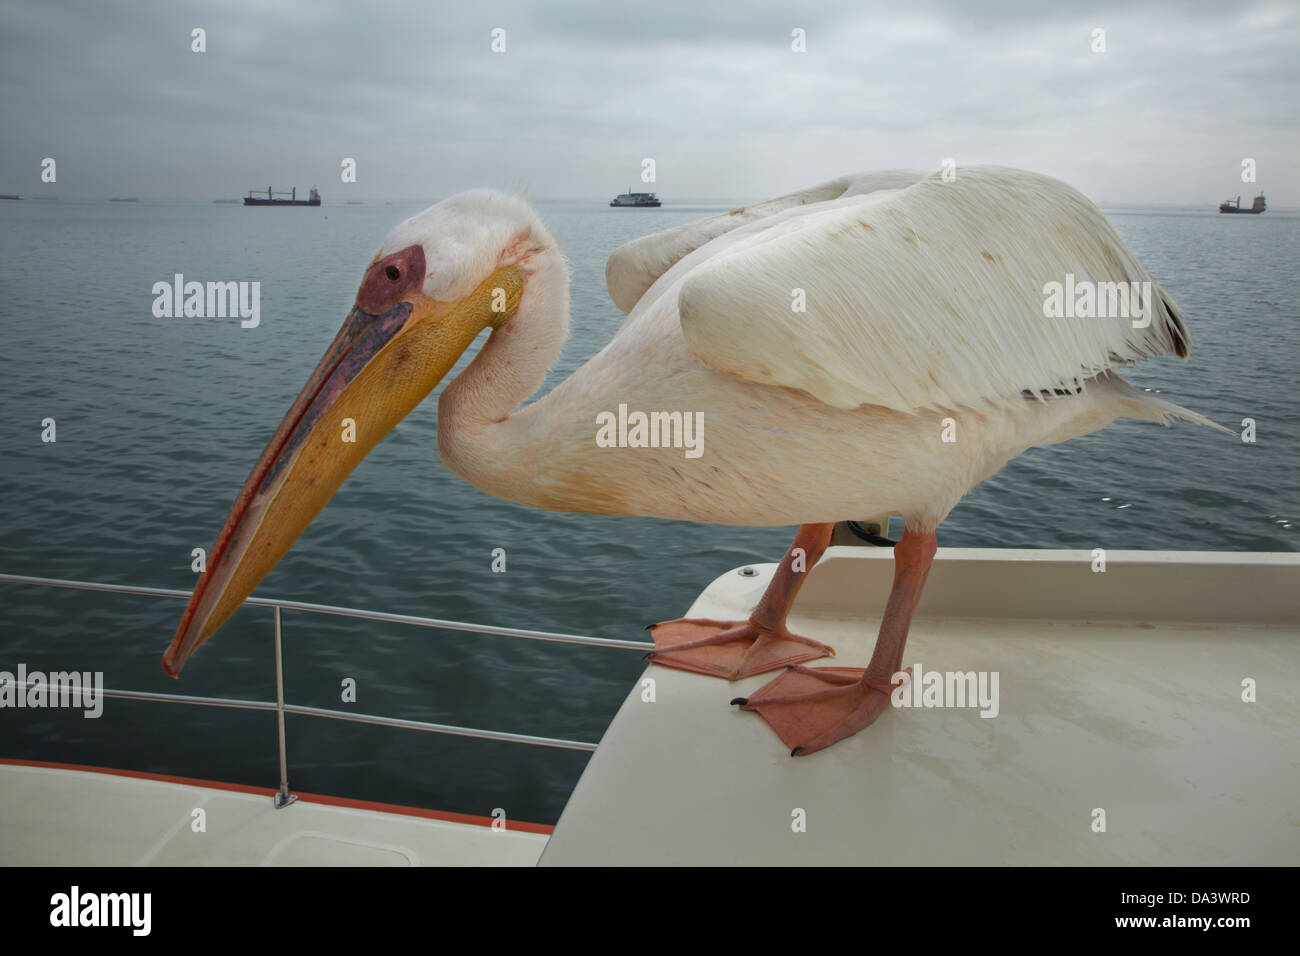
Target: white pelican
(831, 340)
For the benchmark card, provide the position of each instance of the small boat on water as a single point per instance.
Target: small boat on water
(8, 196)
(271, 200)
(636, 199)
(124, 199)
(1230, 206)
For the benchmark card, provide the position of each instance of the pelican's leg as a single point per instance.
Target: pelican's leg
(812, 707)
(736, 649)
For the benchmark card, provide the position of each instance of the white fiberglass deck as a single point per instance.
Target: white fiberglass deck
(1119, 691)
(55, 817)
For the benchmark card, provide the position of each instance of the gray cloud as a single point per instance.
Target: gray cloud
(413, 92)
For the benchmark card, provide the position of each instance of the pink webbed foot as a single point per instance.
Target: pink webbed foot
(730, 649)
(811, 708)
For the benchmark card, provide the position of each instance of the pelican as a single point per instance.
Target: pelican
(877, 344)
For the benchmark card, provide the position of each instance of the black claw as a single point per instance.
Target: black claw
(651, 627)
(742, 701)
(795, 752)
(649, 656)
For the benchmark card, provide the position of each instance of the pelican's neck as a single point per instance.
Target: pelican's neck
(479, 438)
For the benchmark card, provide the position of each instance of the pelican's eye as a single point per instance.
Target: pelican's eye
(390, 278)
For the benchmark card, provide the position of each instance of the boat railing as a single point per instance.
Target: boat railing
(283, 797)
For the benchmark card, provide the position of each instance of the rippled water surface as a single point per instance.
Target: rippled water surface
(159, 421)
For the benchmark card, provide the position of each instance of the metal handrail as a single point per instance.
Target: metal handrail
(234, 703)
(344, 612)
(267, 706)
(283, 797)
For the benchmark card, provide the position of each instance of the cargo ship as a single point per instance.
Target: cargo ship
(1256, 207)
(271, 200)
(636, 199)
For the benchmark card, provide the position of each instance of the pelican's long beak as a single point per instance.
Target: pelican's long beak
(395, 347)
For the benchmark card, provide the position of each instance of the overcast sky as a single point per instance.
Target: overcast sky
(588, 88)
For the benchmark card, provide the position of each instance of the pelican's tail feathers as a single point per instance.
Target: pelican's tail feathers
(1147, 407)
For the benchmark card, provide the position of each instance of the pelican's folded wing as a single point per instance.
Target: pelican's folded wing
(634, 266)
(936, 295)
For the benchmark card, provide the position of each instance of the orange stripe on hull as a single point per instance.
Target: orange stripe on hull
(443, 815)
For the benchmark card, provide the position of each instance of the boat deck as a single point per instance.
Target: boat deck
(1119, 691)
(56, 817)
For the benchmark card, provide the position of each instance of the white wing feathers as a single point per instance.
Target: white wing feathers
(633, 267)
(926, 297)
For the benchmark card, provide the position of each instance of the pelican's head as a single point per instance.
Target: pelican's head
(438, 280)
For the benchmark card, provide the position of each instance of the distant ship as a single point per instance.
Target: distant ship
(124, 199)
(1230, 206)
(10, 196)
(270, 200)
(636, 199)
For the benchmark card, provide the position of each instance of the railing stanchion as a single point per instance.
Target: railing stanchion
(282, 798)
